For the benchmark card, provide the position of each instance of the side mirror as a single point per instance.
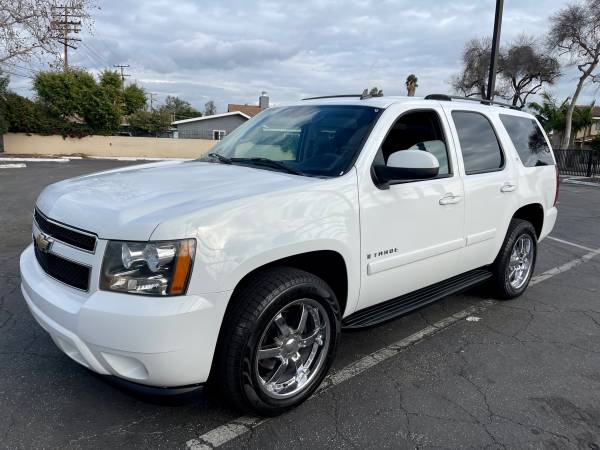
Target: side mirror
(407, 165)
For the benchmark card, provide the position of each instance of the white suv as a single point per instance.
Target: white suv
(243, 267)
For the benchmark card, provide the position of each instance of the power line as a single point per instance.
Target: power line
(17, 74)
(16, 66)
(92, 56)
(98, 54)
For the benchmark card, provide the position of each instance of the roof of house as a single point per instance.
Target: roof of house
(214, 116)
(250, 110)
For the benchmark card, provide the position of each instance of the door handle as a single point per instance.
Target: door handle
(450, 199)
(508, 187)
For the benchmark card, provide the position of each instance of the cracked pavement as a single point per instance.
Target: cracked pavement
(526, 375)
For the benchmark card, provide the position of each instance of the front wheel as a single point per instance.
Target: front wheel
(278, 340)
(515, 263)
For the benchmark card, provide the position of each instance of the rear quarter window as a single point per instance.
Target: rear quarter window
(528, 139)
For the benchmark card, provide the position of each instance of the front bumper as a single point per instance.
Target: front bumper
(153, 341)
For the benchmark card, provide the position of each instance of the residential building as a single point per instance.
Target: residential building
(213, 127)
(584, 137)
(251, 110)
(218, 126)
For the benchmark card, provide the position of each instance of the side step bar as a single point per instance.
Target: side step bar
(382, 312)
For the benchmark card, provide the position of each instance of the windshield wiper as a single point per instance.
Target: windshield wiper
(220, 158)
(266, 162)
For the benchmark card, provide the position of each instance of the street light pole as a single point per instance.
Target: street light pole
(495, 48)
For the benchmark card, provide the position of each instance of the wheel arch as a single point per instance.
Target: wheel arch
(534, 214)
(329, 265)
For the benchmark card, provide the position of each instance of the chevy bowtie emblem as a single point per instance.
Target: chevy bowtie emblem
(43, 242)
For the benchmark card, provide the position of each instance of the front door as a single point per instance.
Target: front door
(411, 233)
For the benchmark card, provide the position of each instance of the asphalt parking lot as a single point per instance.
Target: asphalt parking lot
(463, 373)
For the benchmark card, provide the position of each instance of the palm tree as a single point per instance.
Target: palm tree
(376, 92)
(553, 116)
(411, 85)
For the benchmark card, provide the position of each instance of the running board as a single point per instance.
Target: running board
(382, 312)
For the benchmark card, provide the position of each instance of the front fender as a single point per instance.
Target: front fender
(235, 238)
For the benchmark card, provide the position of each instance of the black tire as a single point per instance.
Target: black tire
(501, 284)
(254, 305)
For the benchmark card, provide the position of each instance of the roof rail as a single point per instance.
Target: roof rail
(362, 96)
(332, 96)
(449, 98)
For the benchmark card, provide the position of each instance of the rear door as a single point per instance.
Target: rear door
(412, 232)
(490, 182)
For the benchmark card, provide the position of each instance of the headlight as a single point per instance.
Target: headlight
(151, 268)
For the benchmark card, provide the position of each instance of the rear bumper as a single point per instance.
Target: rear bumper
(149, 341)
(549, 221)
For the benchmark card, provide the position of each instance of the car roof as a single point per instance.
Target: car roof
(415, 102)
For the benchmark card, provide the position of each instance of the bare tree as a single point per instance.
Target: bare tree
(411, 84)
(25, 27)
(524, 68)
(476, 64)
(575, 33)
(209, 108)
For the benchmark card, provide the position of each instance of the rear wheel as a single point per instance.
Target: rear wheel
(278, 340)
(515, 263)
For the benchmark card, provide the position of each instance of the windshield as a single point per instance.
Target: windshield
(309, 140)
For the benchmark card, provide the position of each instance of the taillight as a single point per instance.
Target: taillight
(557, 186)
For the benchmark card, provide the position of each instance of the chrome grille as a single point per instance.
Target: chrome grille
(74, 237)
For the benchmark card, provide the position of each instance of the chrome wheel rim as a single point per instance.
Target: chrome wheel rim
(293, 348)
(521, 261)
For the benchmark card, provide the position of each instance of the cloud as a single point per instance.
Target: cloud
(232, 50)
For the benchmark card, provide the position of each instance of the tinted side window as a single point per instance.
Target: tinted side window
(528, 139)
(419, 130)
(480, 148)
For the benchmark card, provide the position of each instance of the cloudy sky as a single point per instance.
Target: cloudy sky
(230, 51)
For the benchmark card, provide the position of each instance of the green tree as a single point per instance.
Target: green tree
(553, 116)
(24, 116)
(180, 109)
(75, 97)
(112, 84)
(134, 99)
(550, 113)
(411, 84)
(596, 143)
(152, 123)
(65, 94)
(376, 92)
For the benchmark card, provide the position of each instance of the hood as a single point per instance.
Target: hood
(130, 203)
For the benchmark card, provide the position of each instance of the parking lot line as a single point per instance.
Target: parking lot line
(238, 427)
(12, 166)
(56, 160)
(572, 244)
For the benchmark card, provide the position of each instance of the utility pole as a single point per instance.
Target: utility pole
(122, 67)
(495, 48)
(152, 94)
(66, 21)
